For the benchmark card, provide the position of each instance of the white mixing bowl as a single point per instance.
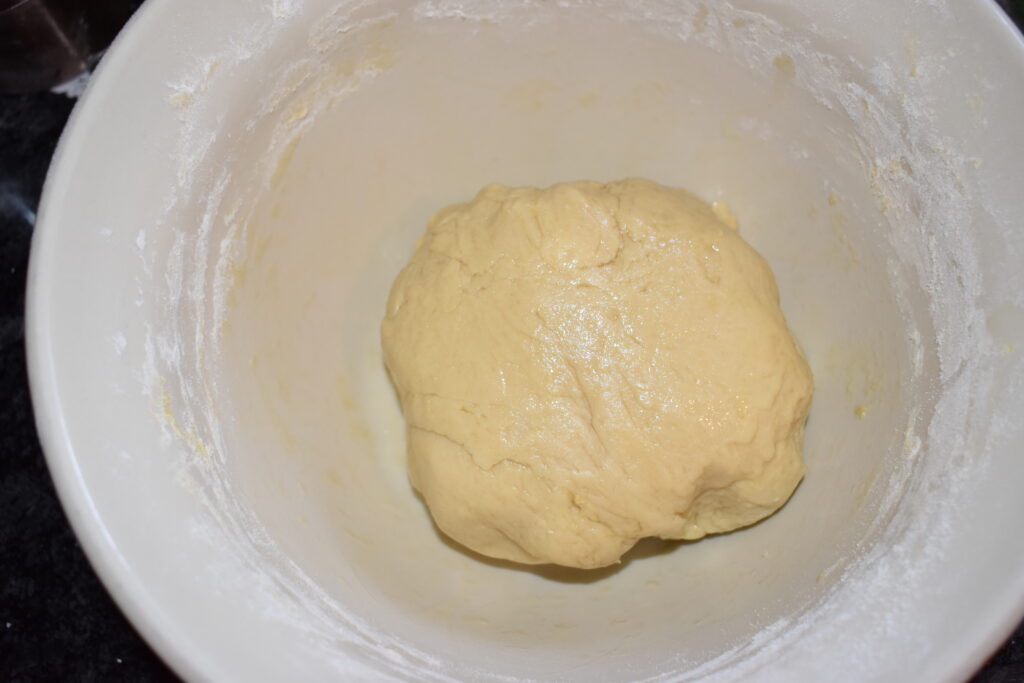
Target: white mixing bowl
(241, 183)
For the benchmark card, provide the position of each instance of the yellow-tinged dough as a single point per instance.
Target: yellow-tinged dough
(589, 364)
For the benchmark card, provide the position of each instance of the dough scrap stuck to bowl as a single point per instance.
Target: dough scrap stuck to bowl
(590, 364)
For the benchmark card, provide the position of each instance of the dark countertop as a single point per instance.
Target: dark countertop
(57, 622)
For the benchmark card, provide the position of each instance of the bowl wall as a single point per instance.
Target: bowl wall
(206, 300)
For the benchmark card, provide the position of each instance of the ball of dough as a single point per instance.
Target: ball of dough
(590, 364)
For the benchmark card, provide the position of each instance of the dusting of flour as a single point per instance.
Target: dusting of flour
(916, 178)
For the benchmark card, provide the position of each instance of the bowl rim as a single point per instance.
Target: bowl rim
(163, 633)
(160, 631)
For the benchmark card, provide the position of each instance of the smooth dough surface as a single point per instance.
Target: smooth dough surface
(590, 364)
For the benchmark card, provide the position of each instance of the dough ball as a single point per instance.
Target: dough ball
(590, 364)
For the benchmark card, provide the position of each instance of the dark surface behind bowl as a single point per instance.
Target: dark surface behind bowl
(57, 622)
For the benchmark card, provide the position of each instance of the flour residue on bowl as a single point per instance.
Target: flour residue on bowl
(906, 208)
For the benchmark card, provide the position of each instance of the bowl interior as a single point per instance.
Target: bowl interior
(425, 114)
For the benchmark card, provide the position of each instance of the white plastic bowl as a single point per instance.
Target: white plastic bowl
(241, 182)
